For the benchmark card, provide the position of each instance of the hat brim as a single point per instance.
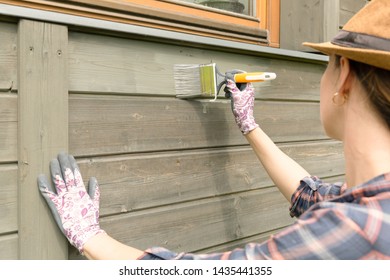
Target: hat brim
(376, 58)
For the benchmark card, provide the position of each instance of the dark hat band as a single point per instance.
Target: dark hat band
(362, 41)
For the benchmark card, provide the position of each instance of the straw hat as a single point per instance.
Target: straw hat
(364, 38)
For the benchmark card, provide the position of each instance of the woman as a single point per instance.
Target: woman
(349, 221)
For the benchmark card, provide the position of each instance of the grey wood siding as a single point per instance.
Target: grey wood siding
(348, 8)
(8, 142)
(178, 173)
(173, 173)
(42, 130)
(314, 20)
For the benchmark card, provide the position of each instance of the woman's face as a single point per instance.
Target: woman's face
(329, 112)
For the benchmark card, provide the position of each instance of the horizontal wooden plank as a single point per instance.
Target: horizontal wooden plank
(348, 8)
(9, 247)
(100, 125)
(134, 182)
(259, 238)
(8, 127)
(240, 243)
(345, 17)
(352, 5)
(8, 108)
(8, 198)
(201, 224)
(210, 225)
(8, 56)
(117, 65)
(294, 81)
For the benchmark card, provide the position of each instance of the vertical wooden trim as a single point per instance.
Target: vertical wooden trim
(331, 22)
(42, 132)
(274, 23)
(262, 6)
(269, 11)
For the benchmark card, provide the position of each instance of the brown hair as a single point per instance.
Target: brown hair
(376, 82)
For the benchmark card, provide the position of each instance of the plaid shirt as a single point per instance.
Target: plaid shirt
(335, 222)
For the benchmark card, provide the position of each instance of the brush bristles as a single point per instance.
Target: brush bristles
(187, 79)
(193, 80)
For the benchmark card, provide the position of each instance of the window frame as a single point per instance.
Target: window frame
(173, 15)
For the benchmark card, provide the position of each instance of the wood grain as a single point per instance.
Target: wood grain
(8, 127)
(8, 56)
(126, 66)
(135, 182)
(9, 247)
(8, 198)
(42, 131)
(100, 125)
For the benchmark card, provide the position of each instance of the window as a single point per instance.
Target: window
(249, 21)
(245, 7)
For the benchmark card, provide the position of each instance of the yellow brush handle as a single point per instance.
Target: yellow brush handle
(254, 77)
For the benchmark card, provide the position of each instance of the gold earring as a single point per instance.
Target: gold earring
(334, 99)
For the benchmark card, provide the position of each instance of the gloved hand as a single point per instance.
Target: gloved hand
(242, 102)
(75, 210)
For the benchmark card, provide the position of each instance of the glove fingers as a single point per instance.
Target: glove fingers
(44, 185)
(228, 94)
(67, 170)
(236, 88)
(76, 171)
(94, 191)
(48, 194)
(249, 87)
(73, 163)
(93, 188)
(231, 86)
(56, 177)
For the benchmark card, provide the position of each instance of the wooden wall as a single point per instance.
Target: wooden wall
(314, 20)
(8, 142)
(172, 172)
(348, 8)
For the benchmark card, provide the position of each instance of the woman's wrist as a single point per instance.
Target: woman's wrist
(104, 247)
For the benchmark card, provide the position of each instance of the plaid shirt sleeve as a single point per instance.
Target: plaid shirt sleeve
(346, 227)
(312, 190)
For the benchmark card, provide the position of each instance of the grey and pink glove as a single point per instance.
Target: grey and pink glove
(242, 102)
(75, 210)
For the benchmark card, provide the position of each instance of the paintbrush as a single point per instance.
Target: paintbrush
(197, 80)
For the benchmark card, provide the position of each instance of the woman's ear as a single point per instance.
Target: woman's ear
(346, 77)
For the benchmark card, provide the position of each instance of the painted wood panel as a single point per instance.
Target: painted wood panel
(134, 182)
(301, 21)
(202, 223)
(101, 125)
(8, 142)
(8, 127)
(210, 225)
(42, 130)
(348, 8)
(9, 247)
(180, 200)
(257, 238)
(8, 198)
(179, 170)
(8, 56)
(314, 20)
(125, 66)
